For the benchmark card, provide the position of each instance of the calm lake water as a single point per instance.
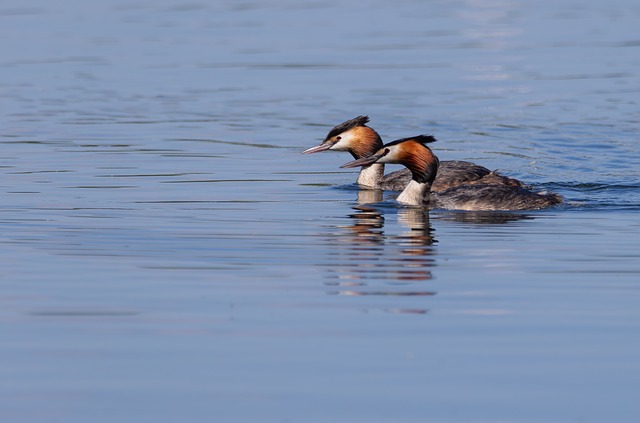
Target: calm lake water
(167, 254)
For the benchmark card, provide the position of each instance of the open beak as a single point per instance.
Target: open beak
(365, 161)
(318, 148)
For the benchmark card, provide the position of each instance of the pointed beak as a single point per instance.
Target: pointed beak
(366, 161)
(318, 148)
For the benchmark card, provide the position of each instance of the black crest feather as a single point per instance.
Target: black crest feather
(422, 139)
(345, 126)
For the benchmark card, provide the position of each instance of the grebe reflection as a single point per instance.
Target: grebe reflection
(367, 261)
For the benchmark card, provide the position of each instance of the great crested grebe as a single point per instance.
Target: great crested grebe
(362, 141)
(423, 165)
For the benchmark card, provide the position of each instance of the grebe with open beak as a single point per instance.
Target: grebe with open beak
(362, 141)
(423, 166)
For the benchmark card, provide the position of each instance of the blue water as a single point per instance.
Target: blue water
(167, 254)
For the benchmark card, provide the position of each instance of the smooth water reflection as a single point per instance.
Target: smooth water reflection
(365, 261)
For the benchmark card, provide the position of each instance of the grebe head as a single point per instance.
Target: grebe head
(411, 152)
(352, 136)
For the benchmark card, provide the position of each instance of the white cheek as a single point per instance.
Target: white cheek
(343, 144)
(390, 157)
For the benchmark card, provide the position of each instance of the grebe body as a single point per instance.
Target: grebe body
(424, 166)
(361, 141)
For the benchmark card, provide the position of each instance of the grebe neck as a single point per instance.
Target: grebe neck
(415, 194)
(371, 176)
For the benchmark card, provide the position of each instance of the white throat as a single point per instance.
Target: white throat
(415, 194)
(371, 176)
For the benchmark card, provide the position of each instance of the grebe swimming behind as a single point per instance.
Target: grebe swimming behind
(423, 165)
(362, 141)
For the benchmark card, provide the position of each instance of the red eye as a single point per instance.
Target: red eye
(338, 138)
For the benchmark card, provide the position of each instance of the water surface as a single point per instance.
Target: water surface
(169, 255)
